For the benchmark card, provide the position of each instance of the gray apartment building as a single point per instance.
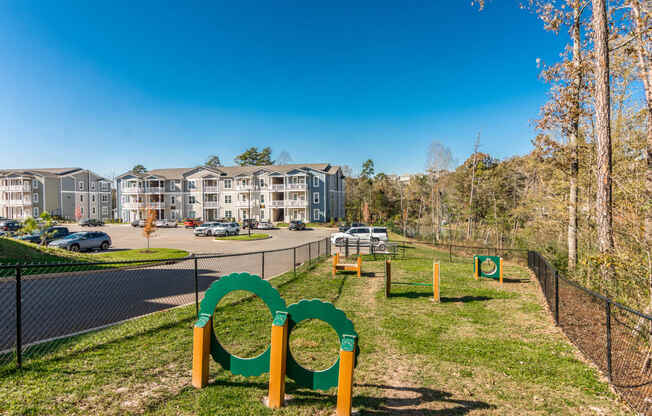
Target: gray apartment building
(71, 193)
(308, 192)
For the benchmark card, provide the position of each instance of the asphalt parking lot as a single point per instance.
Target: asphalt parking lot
(125, 237)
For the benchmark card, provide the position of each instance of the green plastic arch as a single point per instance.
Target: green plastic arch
(325, 311)
(495, 260)
(247, 367)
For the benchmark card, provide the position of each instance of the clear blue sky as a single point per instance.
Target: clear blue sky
(106, 85)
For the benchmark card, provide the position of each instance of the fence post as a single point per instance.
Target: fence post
(309, 254)
(19, 319)
(450, 253)
(318, 248)
(556, 297)
(294, 260)
(346, 247)
(262, 265)
(358, 246)
(196, 287)
(328, 247)
(608, 315)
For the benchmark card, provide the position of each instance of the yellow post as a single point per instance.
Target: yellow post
(435, 281)
(345, 380)
(201, 348)
(359, 266)
(277, 361)
(388, 277)
(335, 257)
(500, 267)
(476, 271)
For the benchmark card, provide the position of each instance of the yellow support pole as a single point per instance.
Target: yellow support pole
(388, 277)
(359, 266)
(500, 266)
(435, 282)
(201, 348)
(345, 380)
(476, 271)
(277, 361)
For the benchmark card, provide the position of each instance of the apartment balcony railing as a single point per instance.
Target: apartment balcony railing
(278, 187)
(297, 203)
(155, 205)
(133, 205)
(244, 188)
(132, 190)
(296, 186)
(278, 203)
(155, 189)
(211, 189)
(19, 188)
(211, 204)
(245, 204)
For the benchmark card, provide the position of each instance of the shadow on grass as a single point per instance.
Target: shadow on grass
(466, 299)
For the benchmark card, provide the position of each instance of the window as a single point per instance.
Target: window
(191, 199)
(315, 197)
(262, 214)
(105, 211)
(227, 183)
(315, 214)
(172, 187)
(81, 198)
(81, 210)
(172, 199)
(92, 198)
(315, 181)
(81, 185)
(261, 183)
(35, 184)
(35, 197)
(262, 198)
(228, 214)
(93, 210)
(35, 212)
(192, 184)
(105, 187)
(227, 199)
(92, 186)
(104, 198)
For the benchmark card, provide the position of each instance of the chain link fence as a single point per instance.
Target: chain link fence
(45, 307)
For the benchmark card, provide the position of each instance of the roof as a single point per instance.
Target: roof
(179, 173)
(40, 171)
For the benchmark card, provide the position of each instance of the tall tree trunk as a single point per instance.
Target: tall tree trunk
(573, 138)
(469, 229)
(603, 133)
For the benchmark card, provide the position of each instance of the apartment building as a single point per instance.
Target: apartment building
(308, 192)
(71, 193)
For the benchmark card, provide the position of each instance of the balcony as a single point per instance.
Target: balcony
(155, 205)
(297, 203)
(277, 187)
(154, 189)
(211, 189)
(132, 190)
(278, 203)
(300, 186)
(245, 203)
(211, 204)
(244, 188)
(133, 205)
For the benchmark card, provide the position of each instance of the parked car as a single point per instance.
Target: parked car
(225, 229)
(10, 225)
(90, 222)
(191, 223)
(375, 235)
(297, 225)
(265, 225)
(52, 233)
(206, 228)
(249, 223)
(135, 223)
(82, 241)
(166, 224)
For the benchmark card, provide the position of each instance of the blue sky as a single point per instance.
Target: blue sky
(109, 85)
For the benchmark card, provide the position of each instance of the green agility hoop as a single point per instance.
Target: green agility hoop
(494, 259)
(324, 311)
(247, 367)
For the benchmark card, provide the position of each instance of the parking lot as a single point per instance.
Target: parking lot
(125, 237)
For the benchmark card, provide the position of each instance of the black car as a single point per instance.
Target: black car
(10, 225)
(90, 223)
(249, 223)
(52, 233)
(297, 225)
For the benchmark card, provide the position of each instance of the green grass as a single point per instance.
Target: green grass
(484, 350)
(244, 237)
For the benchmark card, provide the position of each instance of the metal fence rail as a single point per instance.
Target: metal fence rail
(43, 305)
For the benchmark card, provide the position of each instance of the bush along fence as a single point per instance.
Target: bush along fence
(616, 338)
(43, 307)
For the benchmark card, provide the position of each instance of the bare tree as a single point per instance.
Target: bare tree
(469, 228)
(439, 160)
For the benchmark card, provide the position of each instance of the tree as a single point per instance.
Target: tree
(41, 227)
(602, 105)
(367, 169)
(150, 228)
(469, 229)
(440, 158)
(252, 157)
(213, 161)
(139, 169)
(283, 158)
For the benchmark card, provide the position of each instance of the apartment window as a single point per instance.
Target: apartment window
(227, 199)
(192, 184)
(261, 183)
(125, 199)
(315, 197)
(172, 197)
(81, 210)
(92, 186)
(81, 198)
(92, 198)
(104, 198)
(315, 181)
(105, 187)
(228, 214)
(191, 199)
(262, 214)
(35, 184)
(93, 210)
(105, 211)
(262, 198)
(35, 212)
(315, 214)
(227, 183)
(35, 197)
(81, 185)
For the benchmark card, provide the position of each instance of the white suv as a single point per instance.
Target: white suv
(226, 228)
(376, 235)
(206, 228)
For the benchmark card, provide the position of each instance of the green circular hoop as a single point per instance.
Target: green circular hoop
(248, 367)
(324, 311)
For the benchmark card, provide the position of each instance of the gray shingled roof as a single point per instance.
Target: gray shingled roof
(40, 171)
(178, 173)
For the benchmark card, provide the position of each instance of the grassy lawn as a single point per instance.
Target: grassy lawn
(484, 350)
(244, 237)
